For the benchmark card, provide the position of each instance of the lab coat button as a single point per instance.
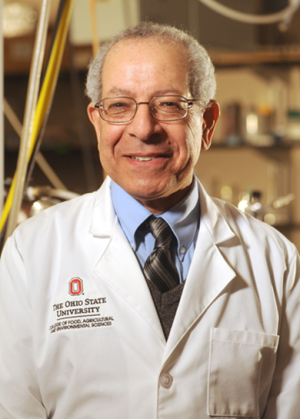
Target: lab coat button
(166, 380)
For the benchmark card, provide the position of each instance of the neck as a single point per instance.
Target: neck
(161, 205)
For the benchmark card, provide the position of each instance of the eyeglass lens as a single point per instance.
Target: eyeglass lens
(164, 108)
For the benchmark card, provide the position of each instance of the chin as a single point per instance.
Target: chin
(144, 195)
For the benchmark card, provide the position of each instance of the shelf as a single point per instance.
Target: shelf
(278, 152)
(286, 55)
(284, 227)
(283, 145)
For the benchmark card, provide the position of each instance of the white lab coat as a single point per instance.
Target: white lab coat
(233, 350)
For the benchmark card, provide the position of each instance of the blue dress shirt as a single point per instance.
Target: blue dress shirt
(183, 219)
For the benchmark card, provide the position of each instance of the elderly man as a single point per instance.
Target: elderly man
(148, 299)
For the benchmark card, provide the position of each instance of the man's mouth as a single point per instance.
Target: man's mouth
(148, 158)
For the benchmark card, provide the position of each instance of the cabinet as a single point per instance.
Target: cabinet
(274, 170)
(230, 172)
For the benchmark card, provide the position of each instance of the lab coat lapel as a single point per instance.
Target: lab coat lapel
(118, 265)
(209, 272)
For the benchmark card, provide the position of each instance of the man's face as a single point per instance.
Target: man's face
(153, 161)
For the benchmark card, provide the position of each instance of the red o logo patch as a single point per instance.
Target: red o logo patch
(76, 286)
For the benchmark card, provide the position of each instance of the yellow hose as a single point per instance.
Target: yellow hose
(93, 15)
(44, 97)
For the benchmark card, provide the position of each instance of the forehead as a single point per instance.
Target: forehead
(151, 45)
(147, 62)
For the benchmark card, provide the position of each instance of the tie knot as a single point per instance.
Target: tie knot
(161, 232)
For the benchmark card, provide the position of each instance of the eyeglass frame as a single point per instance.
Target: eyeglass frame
(97, 106)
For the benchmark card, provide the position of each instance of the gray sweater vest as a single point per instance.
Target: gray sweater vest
(166, 305)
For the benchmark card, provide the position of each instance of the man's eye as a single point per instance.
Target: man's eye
(118, 105)
(170, 106)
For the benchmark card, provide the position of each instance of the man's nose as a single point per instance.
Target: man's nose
(144, 125)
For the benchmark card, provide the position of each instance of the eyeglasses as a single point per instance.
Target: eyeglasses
(118, 110)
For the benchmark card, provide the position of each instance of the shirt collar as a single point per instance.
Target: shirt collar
(183, 218)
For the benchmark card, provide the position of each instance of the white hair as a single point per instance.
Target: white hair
(202, 83)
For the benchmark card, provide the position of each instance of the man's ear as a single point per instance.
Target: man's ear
(94, 116)
(210, 118)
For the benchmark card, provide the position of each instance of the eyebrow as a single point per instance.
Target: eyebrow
(121, 91)
(118, 91)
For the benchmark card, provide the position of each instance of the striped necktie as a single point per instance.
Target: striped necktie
(159, 267)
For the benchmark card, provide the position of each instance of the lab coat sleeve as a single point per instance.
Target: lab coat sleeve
(284, 397)
(19, 392)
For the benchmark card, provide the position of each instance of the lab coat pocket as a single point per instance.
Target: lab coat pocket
(240, 372)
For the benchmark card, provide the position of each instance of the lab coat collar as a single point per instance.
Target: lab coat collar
(213, 218)
(210, 215)
(117, 264)
(209, 273)
(104, 217)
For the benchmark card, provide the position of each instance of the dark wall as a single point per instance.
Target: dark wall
(214, 30)
(209, 27)
(69, 141)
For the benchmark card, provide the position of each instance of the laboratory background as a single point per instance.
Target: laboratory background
(48, 150)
